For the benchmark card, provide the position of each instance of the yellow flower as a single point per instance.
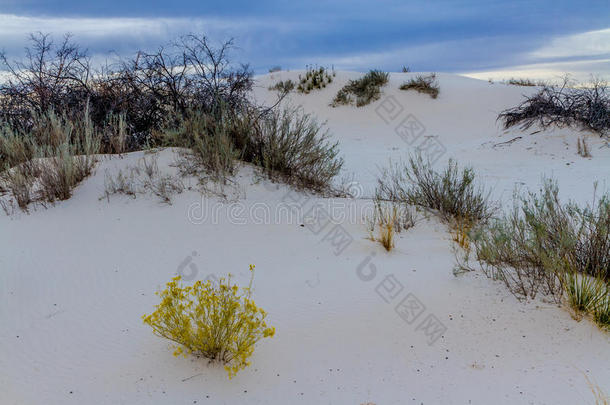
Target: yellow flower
(215, 322)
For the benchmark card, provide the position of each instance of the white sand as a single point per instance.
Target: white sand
(76, 278)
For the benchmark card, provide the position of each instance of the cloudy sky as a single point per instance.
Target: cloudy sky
(487, 39)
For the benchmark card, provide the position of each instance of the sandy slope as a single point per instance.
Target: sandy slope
(76, 278)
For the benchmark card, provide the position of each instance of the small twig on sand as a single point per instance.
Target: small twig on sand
(193, 376)
(507, 142)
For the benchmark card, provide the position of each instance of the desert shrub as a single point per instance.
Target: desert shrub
(285, 144)
(293, 146)
(423, 84)
(586, 108)
(46, 163)
(61, 173)
(521, 82)
(207, 138)
(144, 92)
(362, 91)
(17, 182)
(315, 78)
(285, 86)
(218, 323)
(452, 194)
(187, 94)
(542, 243)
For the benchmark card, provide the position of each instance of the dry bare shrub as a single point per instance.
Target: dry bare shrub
(564, 106)
(138, 95)
(423, 84)
(522, 82)
(143, 178)
(122, 183)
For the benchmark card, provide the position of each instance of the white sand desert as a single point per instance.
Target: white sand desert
(76, 277)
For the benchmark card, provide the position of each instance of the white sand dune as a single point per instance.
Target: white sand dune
(76, 278)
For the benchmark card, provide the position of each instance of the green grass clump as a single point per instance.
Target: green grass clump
(362, 91)
(315, 79)
(584, 293)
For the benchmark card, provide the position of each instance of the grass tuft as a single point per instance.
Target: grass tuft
(362, 91)
(452, 194)
(423, 84)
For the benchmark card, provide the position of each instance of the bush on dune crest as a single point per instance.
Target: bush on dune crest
(315, 79)
(423, 84)
(362, 91)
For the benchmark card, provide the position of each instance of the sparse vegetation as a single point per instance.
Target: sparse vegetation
(544, 246)
(386, 236)
(285, 86)
(293, 146)
(146, 92)
(362, 91)
(148, 102)
(145, 177)
(44, 164)
(423, 84)
(218, 323)
(389, 218)
(587, 108)
(521, 82)
(451, 194)
(315, 78)
(461, 230)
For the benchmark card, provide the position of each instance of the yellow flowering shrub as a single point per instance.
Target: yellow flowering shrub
(217, 322)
